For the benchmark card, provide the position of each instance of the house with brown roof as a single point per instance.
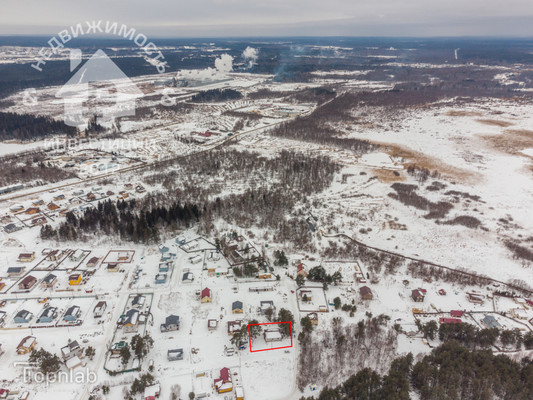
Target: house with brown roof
(28, 282)
(300, 270)
(38, 221)
(234, 326)
(26, 257)
(54, 255)
(52, 206)
(26, 345)
(417, 295)
(366, 293)
(92, 262)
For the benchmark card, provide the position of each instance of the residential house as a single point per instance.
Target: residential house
(38, 221)
(456, 313)
(32, 210)
(175, 355)
(212, 324)
(272, 335)
(417, 295)
(366, 293)
(266, 305)
(92, 262)
(167, 257)
(72, 349)
(27, 283)
(77, 256)
(72, 314)
(490, 322)
(474, 298)
(13, 272)
(49, 281)
(10, 228)
(161, 278)
(54, 255)
(123, 256)
(131, 321)
(117, 347)
(48, 315)
(138, 301)
(165, 267)
(52, 206)
(112, 267)
(237, 307)
(99, 309)
(305, 295)
(234, 326)
(26, 345)
(26, 257)
(519, 313)
(206, 295)
(313, 317)
(152, 392)
(74, 279)
(223, 384)
(172, 323)
(23, 317)
(300, 270)
(3, 315)
(188, 277)
(195, 259)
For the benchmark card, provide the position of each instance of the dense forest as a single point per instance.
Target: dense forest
(450, 371)
(28, 127)
(216, 95)
(119, 218)
(264, 193)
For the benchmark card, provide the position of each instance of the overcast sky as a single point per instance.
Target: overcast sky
(177, 18)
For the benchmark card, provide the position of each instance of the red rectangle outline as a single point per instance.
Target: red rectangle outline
(269, 323)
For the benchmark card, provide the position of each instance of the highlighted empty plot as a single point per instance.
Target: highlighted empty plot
(273, 336)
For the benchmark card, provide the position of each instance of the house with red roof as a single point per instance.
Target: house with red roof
(206, 295)
(224, 383)
(456, 313)
(300, 270)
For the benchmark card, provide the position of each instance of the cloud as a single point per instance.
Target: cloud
(276, 17)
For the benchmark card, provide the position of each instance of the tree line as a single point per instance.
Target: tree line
(29, 127)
